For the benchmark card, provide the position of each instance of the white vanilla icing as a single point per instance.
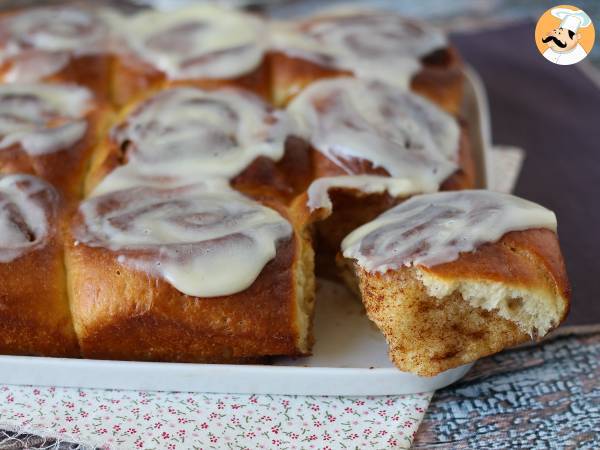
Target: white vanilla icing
(42, 118)
(24, 213)
(204, 239)
(432, 229)
(40, 41)
(203, 41)
(189, 131)
(374, 44)
(35, 66)
(318, 191)
(350, 119)
(130, 176)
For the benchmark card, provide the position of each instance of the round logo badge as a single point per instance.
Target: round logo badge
(564, 35)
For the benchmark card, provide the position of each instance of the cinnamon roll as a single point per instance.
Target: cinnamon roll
(204, 45)
(49, 130)
(67, 44)
(188, 273)
(34, 309)
(366, 44)
(375, 145)
(454, 276)
(190, 133)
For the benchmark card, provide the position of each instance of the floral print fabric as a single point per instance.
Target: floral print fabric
(176, 420)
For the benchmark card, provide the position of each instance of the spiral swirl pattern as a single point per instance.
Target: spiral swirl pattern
(39, 42)
(376, 44)
(198, 42)
(350, 119)
(205, 241)
(433, 229)
(188, 132)
(28, 205)
(42, 118)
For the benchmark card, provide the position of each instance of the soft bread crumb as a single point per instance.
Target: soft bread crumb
(304, 294)
(427, 335)
(534, 311)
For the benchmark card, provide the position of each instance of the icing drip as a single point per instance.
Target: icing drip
(350, 119)
(205, 240)
(42, 118)
(198, 42)
(24, 203)
(188, 132)
(318, 191)
(40, 41)
(376, 44)
(433, 229)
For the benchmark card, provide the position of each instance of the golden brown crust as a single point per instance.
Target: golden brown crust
(289, 75)
(530, 258)
(90, 71)
(440, 79)
(284, 179)
(132, 78)
(121, 313)
(35, 318)
(65, 169)
(428, 335)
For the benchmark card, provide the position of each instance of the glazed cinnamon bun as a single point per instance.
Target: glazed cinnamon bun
(195, 273)
(366, 44)
(374, 146)
(204, 45)
(454, 276)
(49, 130)
(66, 44)
(190, 133)
(34, 309)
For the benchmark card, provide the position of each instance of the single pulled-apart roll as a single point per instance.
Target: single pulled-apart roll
(454, 276)
(367, 44)
(375, 145)
(34, 309)
(196, 273)
(57, 43)
(202, 45)
(186, 132)
(49, 130)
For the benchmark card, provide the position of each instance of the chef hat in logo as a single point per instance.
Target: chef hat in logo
(572, 20)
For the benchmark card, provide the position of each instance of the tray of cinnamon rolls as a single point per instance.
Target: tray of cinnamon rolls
(208, 200)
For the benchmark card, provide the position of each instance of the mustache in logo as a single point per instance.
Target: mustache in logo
(556, 41)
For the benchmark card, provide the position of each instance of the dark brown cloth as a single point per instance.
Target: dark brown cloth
(553, 112)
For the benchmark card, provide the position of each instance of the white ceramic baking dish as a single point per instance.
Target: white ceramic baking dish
(350, 354)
